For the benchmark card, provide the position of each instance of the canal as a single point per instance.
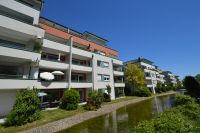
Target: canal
(124, 119)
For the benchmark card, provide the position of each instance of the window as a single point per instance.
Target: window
(102, 90)
(103, 77)
(102, 64)
(106, 78)
(99, 77)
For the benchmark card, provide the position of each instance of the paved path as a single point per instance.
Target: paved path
(73, 120)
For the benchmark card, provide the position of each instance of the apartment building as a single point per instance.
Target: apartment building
(170, 77)
(153, 75)
(38, 53)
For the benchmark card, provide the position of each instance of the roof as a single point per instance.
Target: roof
(140, 60)
(88, 33)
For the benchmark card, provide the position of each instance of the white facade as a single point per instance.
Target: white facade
(21, 64)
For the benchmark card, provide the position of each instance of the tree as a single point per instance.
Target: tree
(192, 86)
(134, 76)
(197, 77)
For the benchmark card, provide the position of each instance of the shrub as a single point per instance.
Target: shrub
(145, 127)
(106, 97)
(25, 109)
(143, 92)
(70, 100)
(94, 100)
(172, 122)
(183, 99)
(191, 110)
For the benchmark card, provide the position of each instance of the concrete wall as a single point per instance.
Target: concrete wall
(7, 100)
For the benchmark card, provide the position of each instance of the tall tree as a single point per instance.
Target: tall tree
(197, 77)
(192, 86)
(134, 76)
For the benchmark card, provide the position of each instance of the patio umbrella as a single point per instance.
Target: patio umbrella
(57, 73)
(41, 94)
(47, 76)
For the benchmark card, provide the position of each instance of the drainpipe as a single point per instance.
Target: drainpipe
(70, 62)
(93, 72)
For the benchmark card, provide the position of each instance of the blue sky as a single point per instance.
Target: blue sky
(164, 31)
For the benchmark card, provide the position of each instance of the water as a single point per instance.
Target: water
(124, 119)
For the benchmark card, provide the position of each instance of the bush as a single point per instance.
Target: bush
(143, 92)
(25, 109)
(183, 99)
(172, 122)
(106, 97)
(145, 127)
(94, 100)
(160, 87)
(70, 100)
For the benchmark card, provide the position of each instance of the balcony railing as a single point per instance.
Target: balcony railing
(18, 77)
(81, 81)
(78, 64)
(54, 60)
(119, 70)
(14, 45)
(119, 81)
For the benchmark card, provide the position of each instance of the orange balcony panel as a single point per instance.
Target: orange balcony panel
(62, 34)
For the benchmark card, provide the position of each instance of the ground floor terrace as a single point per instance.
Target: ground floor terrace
(49, 98)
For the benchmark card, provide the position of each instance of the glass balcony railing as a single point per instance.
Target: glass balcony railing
(20, 77)
(54, 60)
(79, 64)
(14, 45)
(81, 81)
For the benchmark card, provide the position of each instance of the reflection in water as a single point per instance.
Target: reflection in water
(125, 118)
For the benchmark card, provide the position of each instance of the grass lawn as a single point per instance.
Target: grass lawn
(54, 115)
(47, 116)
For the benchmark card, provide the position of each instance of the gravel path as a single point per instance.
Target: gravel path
(73, 120)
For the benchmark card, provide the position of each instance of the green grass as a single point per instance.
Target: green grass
(120, 100)
(47, 116)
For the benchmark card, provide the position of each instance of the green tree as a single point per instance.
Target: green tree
(197, 77)
(192, 86)
(134, 76)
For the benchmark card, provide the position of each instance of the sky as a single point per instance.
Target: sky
(164, 31)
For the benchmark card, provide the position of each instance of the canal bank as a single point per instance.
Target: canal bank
(71, 121)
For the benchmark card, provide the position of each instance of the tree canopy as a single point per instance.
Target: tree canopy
(134, 76)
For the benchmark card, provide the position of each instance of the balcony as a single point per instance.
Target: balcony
(51, 84)
(52, 64)
(81, 52)
(81, 84)
(117, 62)
(16, 28)
(119, 84)
(18, 7)
(118, 73)
(9, 50)
(19, 83)
(55, 45)
(82, 68)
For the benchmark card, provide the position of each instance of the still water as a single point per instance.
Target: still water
(124, 119)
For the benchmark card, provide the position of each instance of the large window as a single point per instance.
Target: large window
(102, 64)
